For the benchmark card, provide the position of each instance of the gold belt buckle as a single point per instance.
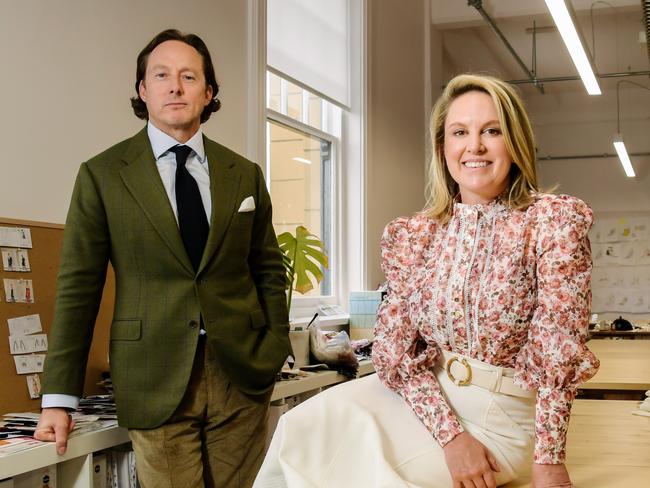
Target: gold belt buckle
(468, 378)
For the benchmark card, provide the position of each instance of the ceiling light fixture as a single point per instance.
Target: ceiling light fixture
(302, 160)
(569, 34)
(619, 145)
(623, 156)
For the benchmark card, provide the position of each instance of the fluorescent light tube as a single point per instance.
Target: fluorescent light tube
(624, 158)
(302, 160)
(570, 37)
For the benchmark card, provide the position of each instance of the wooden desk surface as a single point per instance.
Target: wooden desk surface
(624, 365)
(607, 446)
(628, 334)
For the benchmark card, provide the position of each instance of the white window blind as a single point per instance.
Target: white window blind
(308, 43)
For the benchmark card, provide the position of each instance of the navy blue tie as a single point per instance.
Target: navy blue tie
(192, 219)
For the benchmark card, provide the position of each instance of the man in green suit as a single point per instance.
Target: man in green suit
(200, 324)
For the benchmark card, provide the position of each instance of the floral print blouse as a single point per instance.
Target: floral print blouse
(508, 287)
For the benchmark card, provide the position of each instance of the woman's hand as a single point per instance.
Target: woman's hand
(550, 476)
(470, 463)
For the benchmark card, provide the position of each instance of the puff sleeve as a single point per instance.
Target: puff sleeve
(403, 360)
(555, 359)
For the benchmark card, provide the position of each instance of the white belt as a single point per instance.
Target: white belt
(465, 371)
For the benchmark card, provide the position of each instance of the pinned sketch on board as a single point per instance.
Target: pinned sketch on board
(34, 386)
(15, 260)
(18, 291)
(9, 259)
(621, 257)
(28, 324)
(15, 237)
(29, 363)
(28, 344)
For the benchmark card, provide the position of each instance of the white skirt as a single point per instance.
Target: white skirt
(361, 434)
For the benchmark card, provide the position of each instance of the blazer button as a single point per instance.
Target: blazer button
(194, 324)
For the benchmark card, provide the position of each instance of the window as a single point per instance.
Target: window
(301, 156)
(315, 94)
(295, 102)
(300, 177)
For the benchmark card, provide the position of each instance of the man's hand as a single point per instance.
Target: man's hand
(550, 476)
(54, 425)
(470, 463)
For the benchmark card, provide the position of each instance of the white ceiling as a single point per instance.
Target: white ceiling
(566, 120)
(469, 44)
(449, 13)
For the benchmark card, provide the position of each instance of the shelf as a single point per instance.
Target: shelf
(46, 455)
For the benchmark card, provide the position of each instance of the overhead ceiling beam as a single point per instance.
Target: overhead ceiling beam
(453, 14)
(587, 156)
(551, 79)
(478, 5)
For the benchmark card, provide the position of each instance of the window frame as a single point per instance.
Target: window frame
(303, 306)
(353, 123)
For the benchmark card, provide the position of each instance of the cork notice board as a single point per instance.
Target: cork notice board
(44, 263)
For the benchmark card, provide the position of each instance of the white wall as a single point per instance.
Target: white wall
(397, 132)
(560, 128)
(68, 74)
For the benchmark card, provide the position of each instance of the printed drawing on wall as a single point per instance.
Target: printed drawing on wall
(621, 274)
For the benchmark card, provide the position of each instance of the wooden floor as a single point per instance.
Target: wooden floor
(607, 446)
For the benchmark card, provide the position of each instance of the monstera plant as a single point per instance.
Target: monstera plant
(303, 255)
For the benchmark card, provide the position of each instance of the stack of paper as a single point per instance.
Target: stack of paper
(644, 407)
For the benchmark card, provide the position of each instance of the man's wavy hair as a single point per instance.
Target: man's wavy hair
(139, 107)
(517, 135)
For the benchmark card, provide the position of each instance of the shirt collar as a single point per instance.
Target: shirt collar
(161, 142)
(489, 208)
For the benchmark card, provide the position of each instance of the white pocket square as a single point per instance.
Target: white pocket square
(247, 205)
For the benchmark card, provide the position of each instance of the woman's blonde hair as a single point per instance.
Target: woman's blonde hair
(517, 134)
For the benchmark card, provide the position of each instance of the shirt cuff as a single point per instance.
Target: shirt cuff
(444, 434)
(57, 400)
(430, 406)
(553, 411)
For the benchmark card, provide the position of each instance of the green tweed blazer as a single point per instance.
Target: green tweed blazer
(120, 213)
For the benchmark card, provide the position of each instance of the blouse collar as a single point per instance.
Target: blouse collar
(490, 208)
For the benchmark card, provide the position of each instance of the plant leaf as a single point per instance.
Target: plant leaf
(305, 253)
(288, 268)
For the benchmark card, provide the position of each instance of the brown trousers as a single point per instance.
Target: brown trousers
(214, 439)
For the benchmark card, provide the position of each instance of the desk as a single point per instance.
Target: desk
(624, 365)
(607, 446)
(315, 381)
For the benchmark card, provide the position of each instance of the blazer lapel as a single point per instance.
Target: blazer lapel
(224, 187)
(142, 180)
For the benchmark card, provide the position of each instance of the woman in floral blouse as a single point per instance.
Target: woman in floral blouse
(480, 344)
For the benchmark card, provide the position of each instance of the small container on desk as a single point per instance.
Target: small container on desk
(363, 313)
